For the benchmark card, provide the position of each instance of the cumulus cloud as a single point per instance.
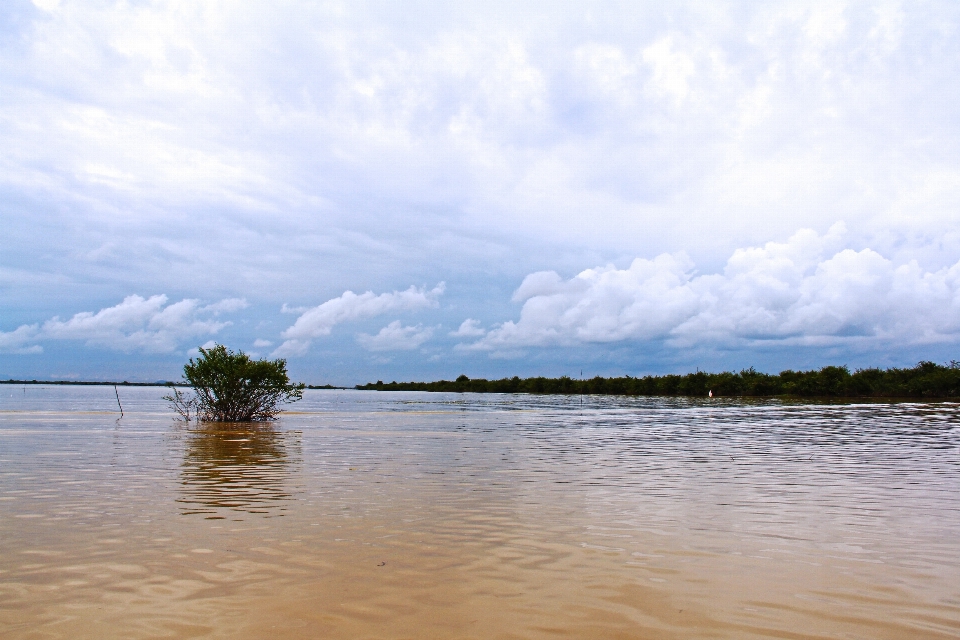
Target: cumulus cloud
(469, 328)
(801, 292)
(320, 320)
(137, 324)
(227, 305)
(395, 337)
(19, 340)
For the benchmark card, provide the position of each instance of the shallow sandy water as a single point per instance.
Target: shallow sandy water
(365, 515)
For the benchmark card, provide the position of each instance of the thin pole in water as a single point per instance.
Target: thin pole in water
(581, 389)
(118, 400)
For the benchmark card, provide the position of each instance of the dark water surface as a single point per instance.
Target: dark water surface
(414, 515)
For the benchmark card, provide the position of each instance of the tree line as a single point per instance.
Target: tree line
(925, 380)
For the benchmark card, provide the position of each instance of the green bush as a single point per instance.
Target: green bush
(231, 387)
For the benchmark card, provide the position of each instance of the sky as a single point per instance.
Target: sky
(418, 190)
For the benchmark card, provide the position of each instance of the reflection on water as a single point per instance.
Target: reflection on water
(238, 467)
(456, 515)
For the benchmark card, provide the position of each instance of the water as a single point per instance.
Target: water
(409, 515)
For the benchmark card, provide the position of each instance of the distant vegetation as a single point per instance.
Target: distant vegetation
(91, 383)
(926, 380)
(231, 387)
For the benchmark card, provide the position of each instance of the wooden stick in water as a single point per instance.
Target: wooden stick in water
(118, 400)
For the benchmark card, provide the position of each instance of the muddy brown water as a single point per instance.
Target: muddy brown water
(406, 515)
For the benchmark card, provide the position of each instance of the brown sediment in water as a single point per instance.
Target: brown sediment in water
(634, 522)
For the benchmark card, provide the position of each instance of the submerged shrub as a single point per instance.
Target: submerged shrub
(182, 403)
(231, 387)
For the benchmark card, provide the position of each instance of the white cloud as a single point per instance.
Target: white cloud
(671, 69)
(47, 5)
(227, 305)
(825, 24)
(18, 340)
(260, 343)
(137, 324)
(285, 308)
(801, 292)
(469, 328)
(195, 351)
(607, 71)
(320, 320)
(395, 337)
